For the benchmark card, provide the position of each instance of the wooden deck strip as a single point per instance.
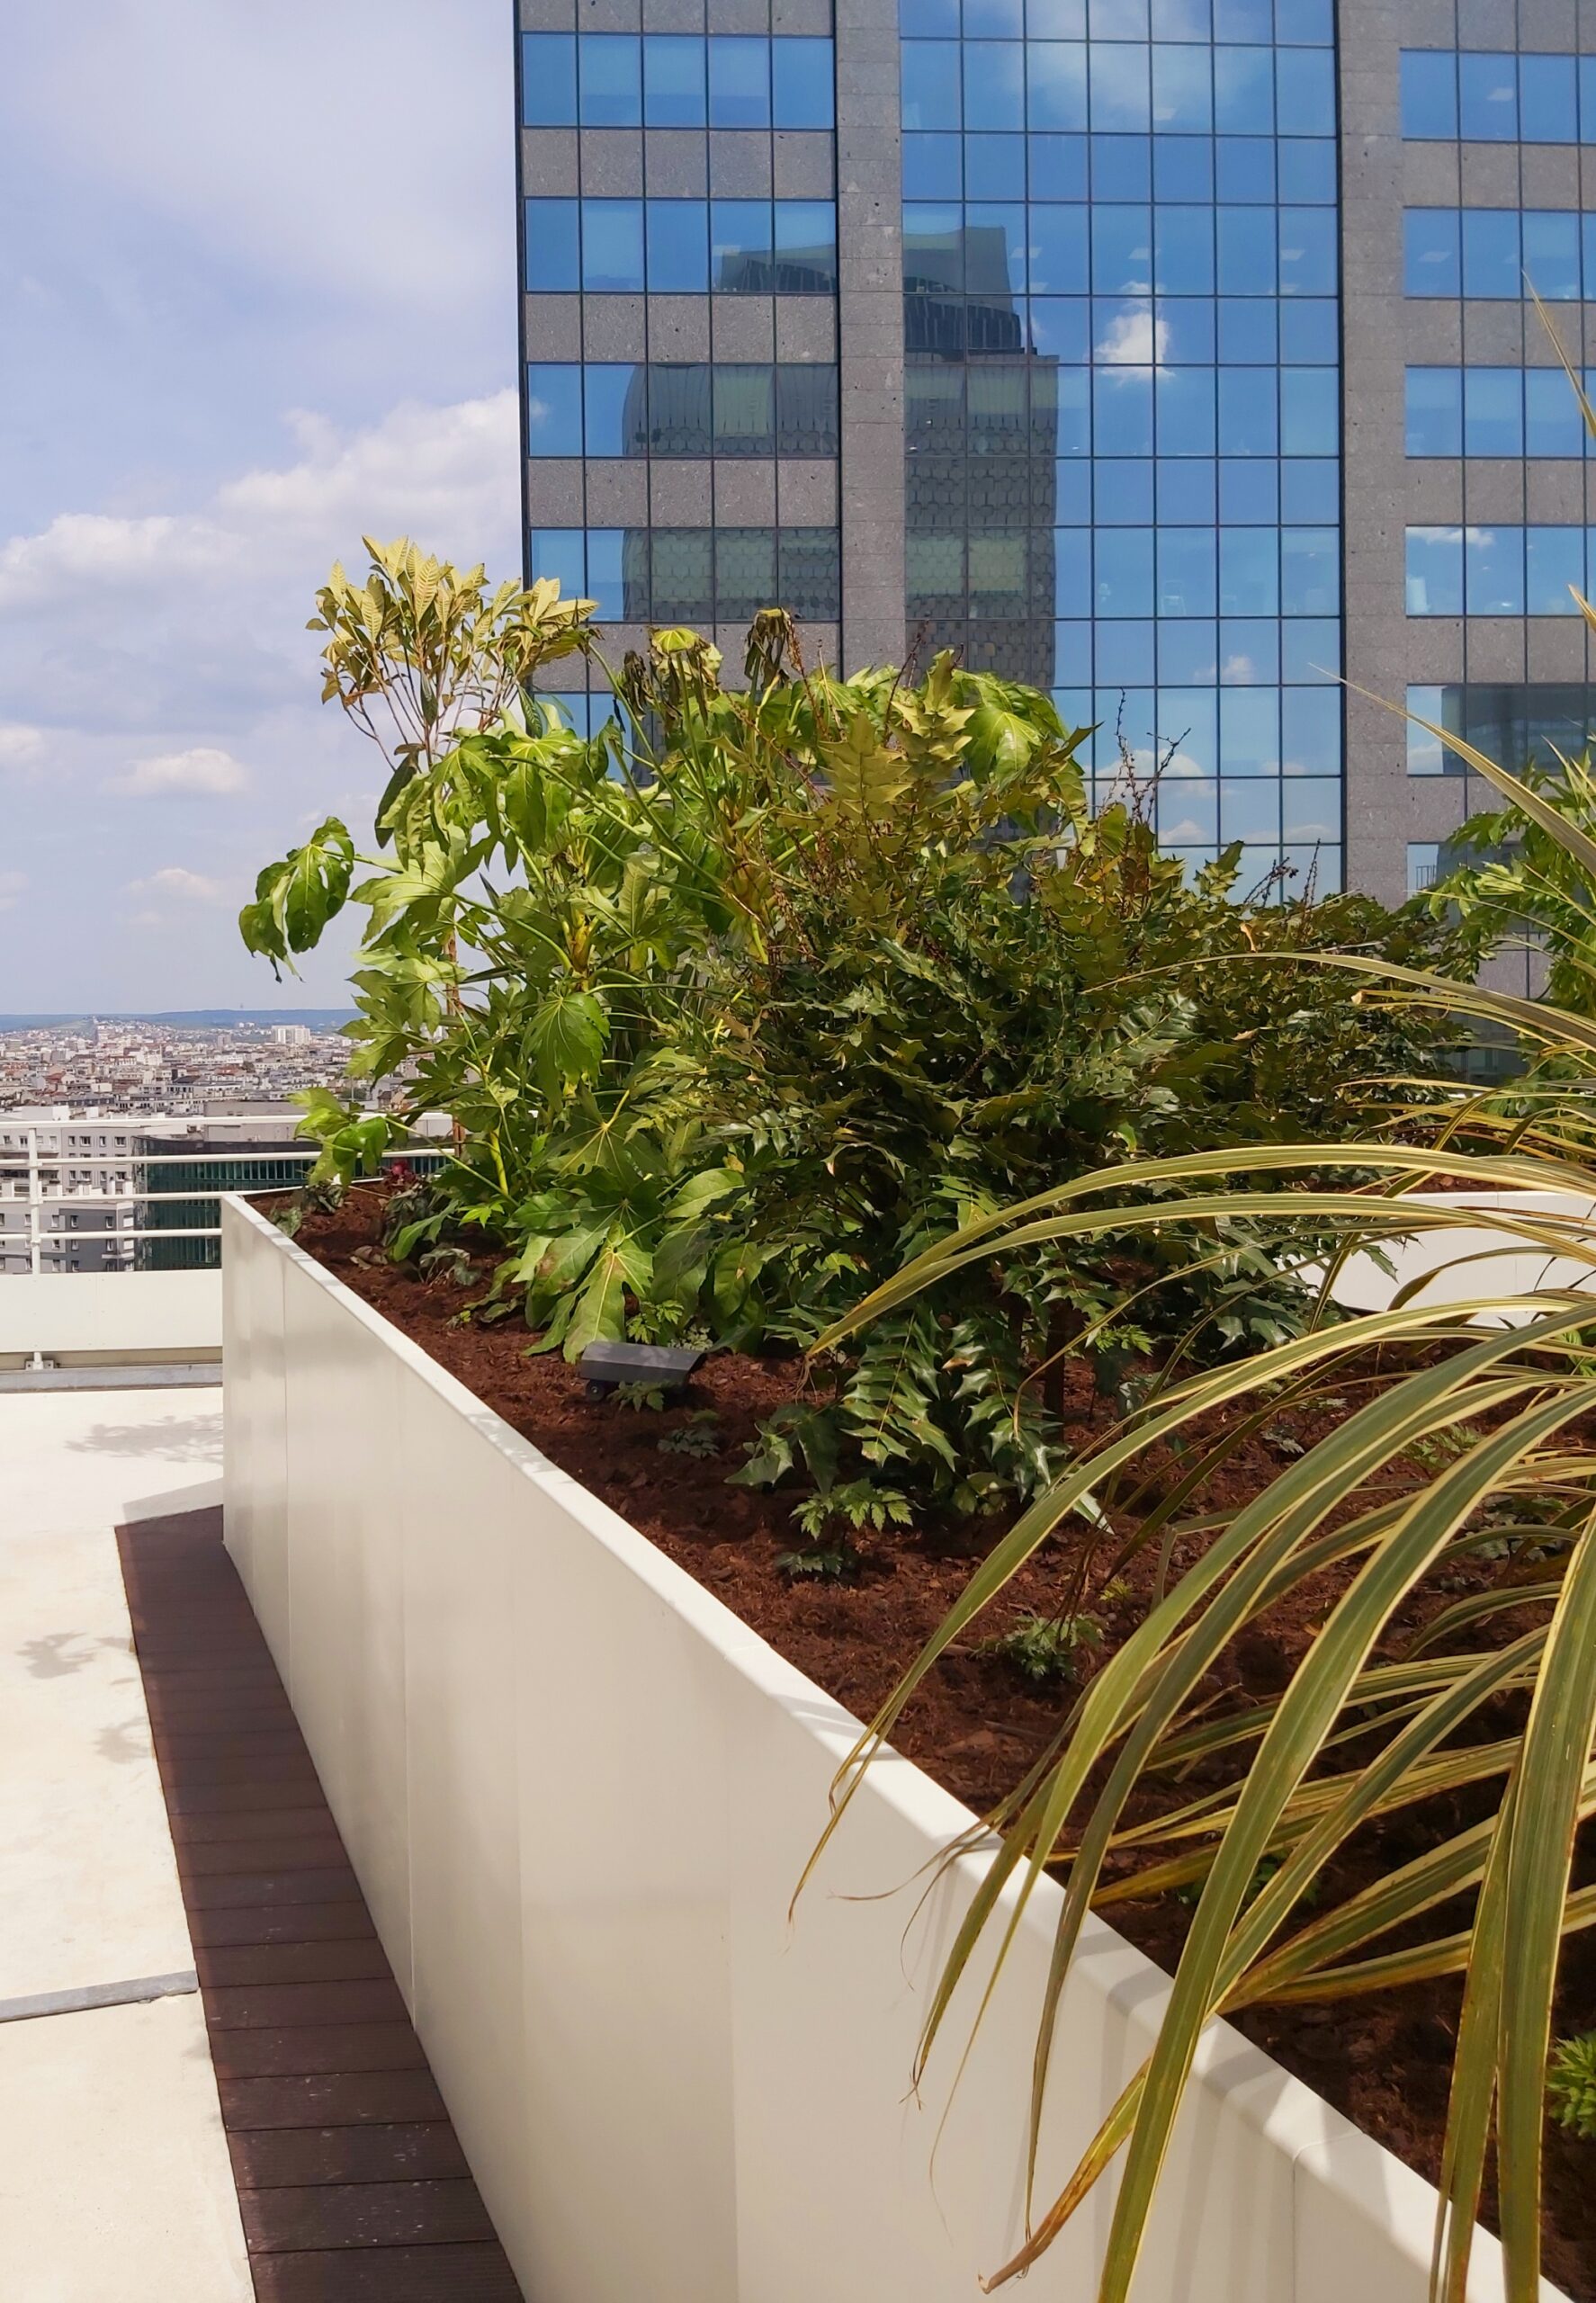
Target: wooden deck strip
(352, 2184)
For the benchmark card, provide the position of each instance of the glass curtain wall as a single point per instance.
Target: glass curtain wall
(1123, 391)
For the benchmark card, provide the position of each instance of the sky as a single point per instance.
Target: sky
(257, 299)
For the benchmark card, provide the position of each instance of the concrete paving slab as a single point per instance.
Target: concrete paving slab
(92, 1888)
(114, 2175)
(114, 2178)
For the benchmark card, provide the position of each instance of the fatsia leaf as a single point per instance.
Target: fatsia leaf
(567, 1036)
(295, 899)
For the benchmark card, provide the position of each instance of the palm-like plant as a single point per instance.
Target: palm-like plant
(1495, 1395)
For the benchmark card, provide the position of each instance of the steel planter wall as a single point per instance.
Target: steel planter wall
(578, 1793)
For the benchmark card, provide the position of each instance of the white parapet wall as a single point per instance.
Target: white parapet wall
(109, 1317)
(579, 1794)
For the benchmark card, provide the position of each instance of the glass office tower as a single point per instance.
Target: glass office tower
(1171, 355)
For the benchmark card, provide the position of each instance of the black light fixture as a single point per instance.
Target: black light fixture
(654, 1366)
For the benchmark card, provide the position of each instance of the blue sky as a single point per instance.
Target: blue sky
(257, 298)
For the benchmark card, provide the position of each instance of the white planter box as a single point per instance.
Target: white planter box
(578, 1793)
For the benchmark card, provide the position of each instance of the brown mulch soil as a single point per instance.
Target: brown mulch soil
(976, 1725)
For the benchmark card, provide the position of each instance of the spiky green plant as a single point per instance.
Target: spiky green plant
(1571, 2085)
(1390, 1502)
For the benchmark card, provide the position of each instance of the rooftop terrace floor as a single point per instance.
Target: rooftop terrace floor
(250, 2114)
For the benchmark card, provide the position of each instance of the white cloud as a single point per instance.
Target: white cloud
(444, 474)
(202, 770)
(174, 880)
(271, 136)
(20, 746)
(1133, 339)
(12, 885)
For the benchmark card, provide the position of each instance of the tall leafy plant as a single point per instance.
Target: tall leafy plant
(1485, 1438)
(742, 999)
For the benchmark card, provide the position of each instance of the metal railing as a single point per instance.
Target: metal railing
(34, 1183)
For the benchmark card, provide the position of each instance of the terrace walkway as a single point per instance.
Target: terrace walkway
(210, 2088)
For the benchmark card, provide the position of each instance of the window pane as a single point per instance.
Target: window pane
(1123, 571)
(553, 245)
(1434, 412)
(1308, 252)
(612, 245)
(610, 66)
(806, 409)
(679, 414)
(1492, 412)
(616, 399)
(548, 79)
(1305, 92)
(745, 410)
(1426, 755)
(1491, 258)
(1310, 412)
(811, 571)
(1057, 166)
(674, 67)
(745, 573)
(1547, 99)
(678, 247)
(1307, 166)
(994, 19)
(1247, 251)
(1553, 425)
(1049, 19)
(1488, 98)
(1250, 811)
(1556, 560)
(1121, 87)
(803, 81)
(1493, 571)
(1310, 571)
(1247, 414)
(997, 566)
(805, 248)
(1249, 732)
(994, 84)
(1187, 572)
(1122, 408)
(1435, 571)
(1551, 255)
(995, 167)
(562, 553)
(1121, 250)
(1058, 258)
(1310, 808)
(1244, 168)
(933, 168)
(1248, 571)
(554, 409)
(1311, 735)
(1429, 93)
(1183, 89)
(1431, 264)
(740, 247)
(1244, 90)
(740, 83)
(930, 95)
(683, 588)
(1185, 408)
(1184, 242)
(935, 574)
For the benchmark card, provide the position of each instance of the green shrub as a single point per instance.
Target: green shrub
(752, 995)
